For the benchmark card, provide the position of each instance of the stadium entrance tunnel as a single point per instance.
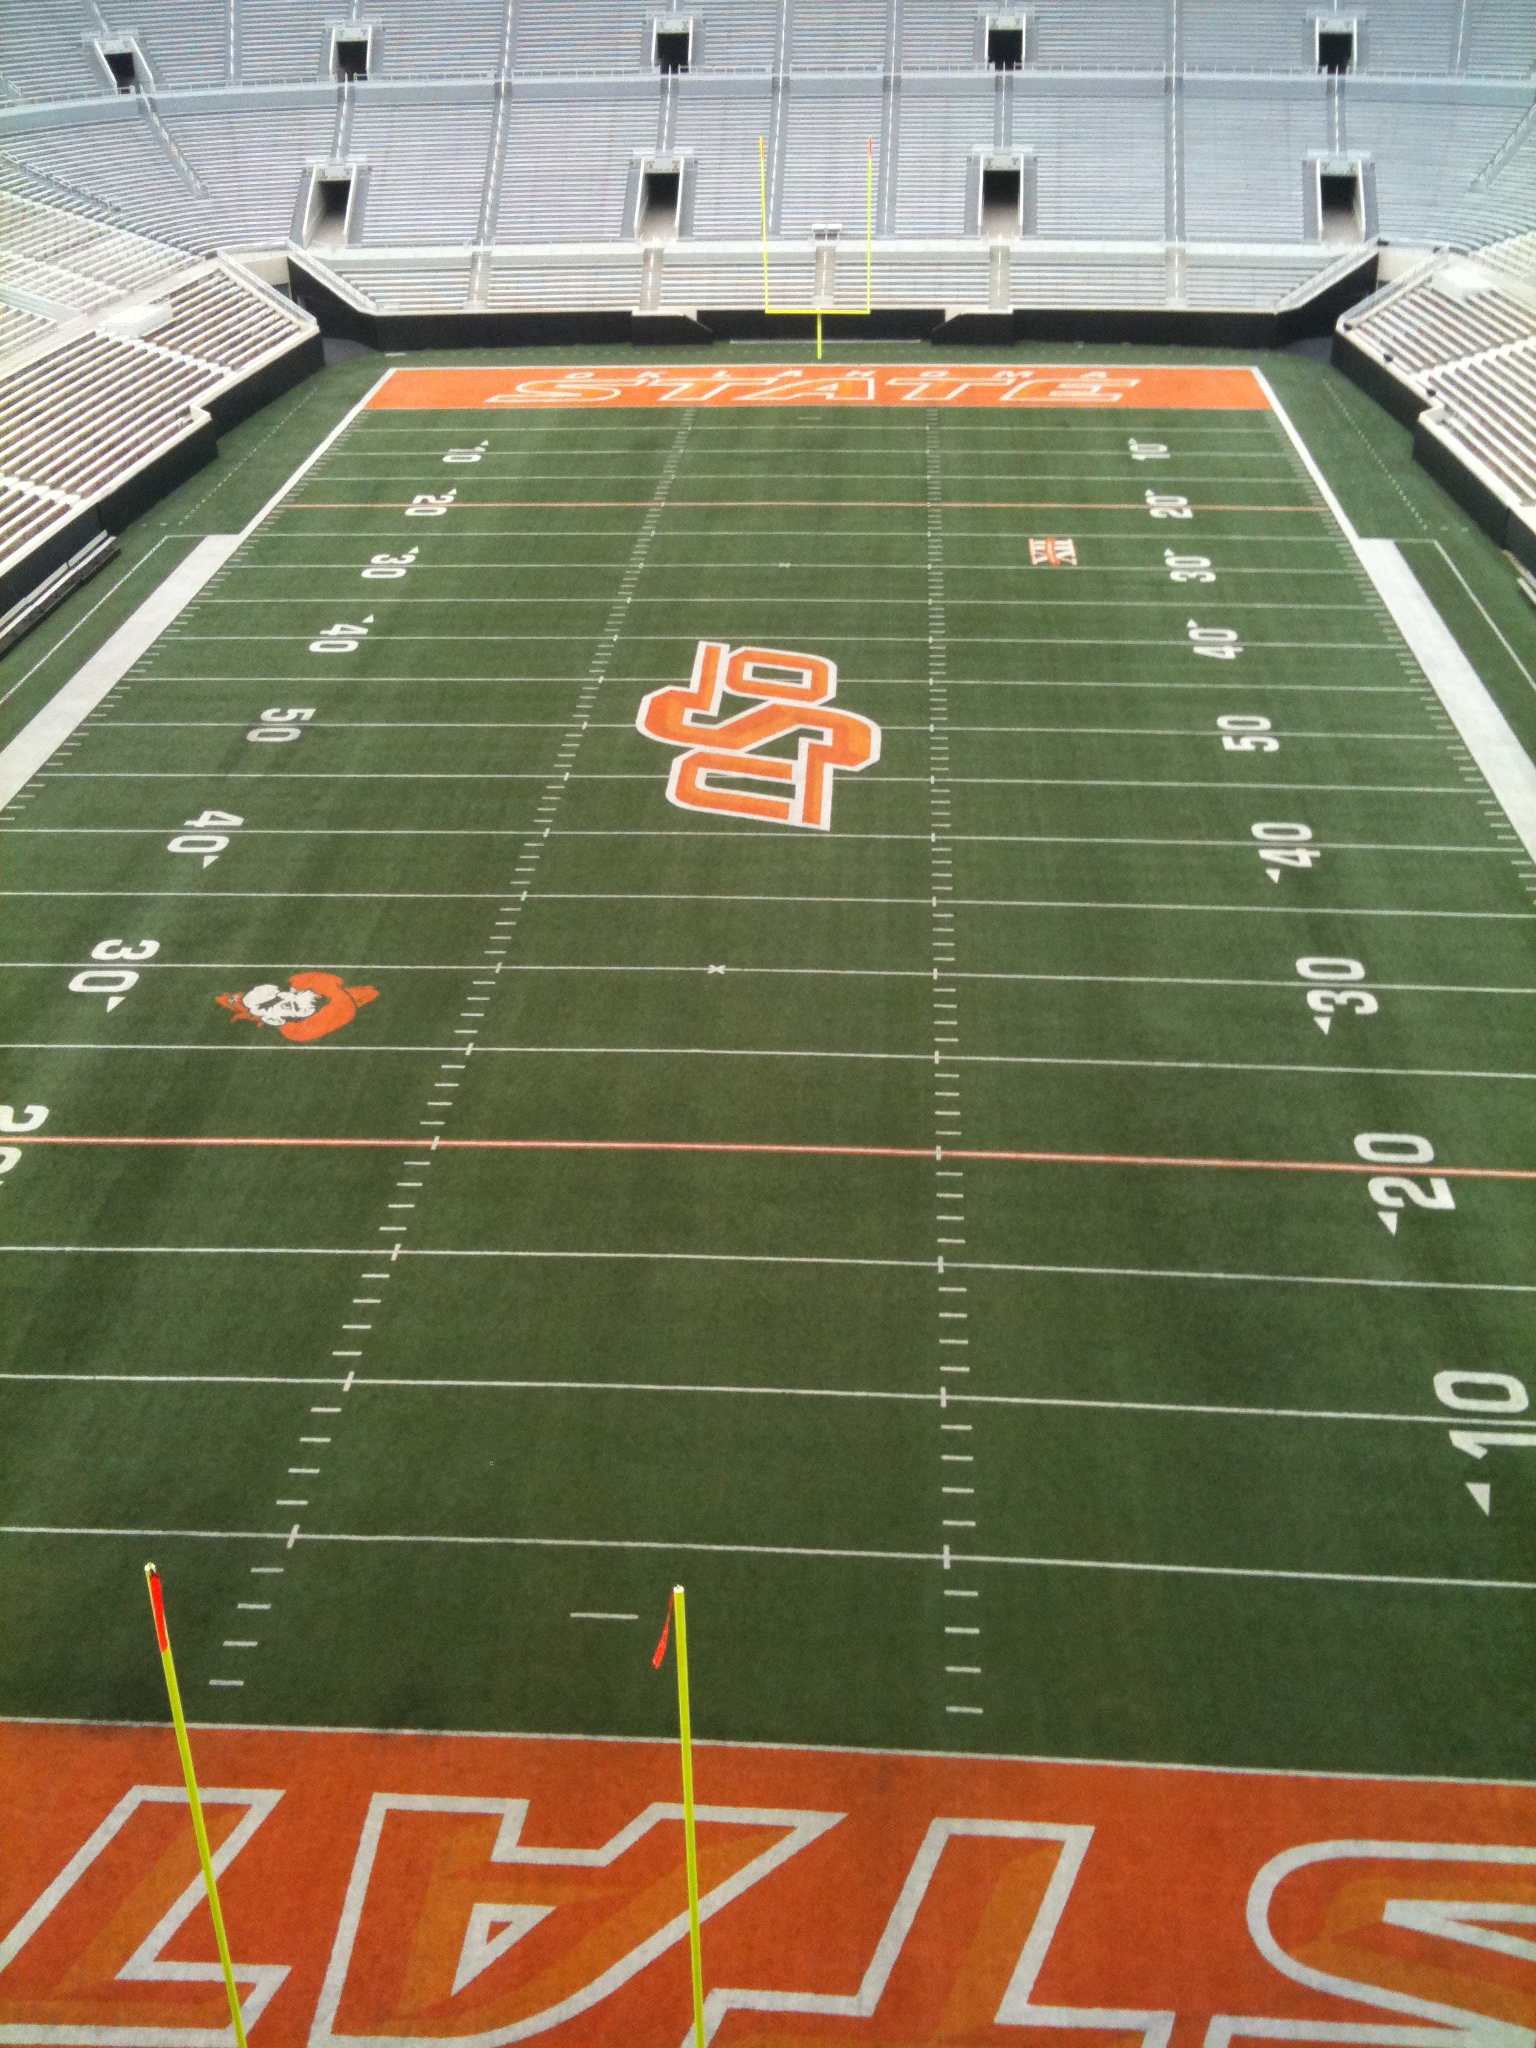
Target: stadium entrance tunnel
(351, 49)
(1340, 205)
(328, 216)
(672, 47)
(660, 203)
(1335, 47)
(1002, 200)
(1005, 42)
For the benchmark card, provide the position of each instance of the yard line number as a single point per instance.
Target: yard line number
(206, 835)
(112, 982)
(1246, 733)
(32, 1118)
(278, 726)
(342, 638)
(1284, 845)
(1393, 1192)
(390, 568)
(1333, 992)
(1216, 643)
(1188, 568)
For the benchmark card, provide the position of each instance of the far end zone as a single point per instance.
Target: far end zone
(1152, 388)
(417, 1889)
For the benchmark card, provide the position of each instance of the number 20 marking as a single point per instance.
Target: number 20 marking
(1392, 1192)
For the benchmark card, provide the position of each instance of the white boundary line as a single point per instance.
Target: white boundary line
(38, 740)
(795, 1748)
(1490, 740)
(312, 458)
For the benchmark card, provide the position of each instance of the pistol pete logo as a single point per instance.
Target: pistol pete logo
(793, 697)
(311, 1006)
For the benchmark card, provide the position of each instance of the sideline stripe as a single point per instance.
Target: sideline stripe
(945, 1560)
(701, 1145)
(1489, 739)
(41, 738)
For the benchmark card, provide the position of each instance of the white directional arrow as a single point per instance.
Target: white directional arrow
(1273, 874)
(1482, 1493)
(1322, 1024)
(1389, 1217)
(483, 1946)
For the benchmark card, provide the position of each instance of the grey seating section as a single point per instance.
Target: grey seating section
(462, 39)
(91, 394)
(419, 192)
(44, 53)
(1491, 410)
(838, 34)
(718, 121)
(1100, 34)
(183, 46)
(582, 35)
(1099, 154)
(942, 121)
(936, 35)
(1176, 133)
(25, 516)
(1233, 35)
(1501, 38)
(1244, 153)
(569, 152)
(279, 43)
(829, 123)
(1460, 333)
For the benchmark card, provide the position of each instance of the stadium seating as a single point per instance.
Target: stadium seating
(107, 366)
(1165, 156)
(556, 102)
(1456, 341)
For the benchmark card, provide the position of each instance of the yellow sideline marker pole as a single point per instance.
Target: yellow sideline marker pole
(162, 1636)
(676, 1609)
(691, 1846)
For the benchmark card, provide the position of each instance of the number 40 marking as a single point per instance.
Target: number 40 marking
(199, 838)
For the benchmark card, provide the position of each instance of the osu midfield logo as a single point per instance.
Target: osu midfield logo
(311, 1006)
(793, 694)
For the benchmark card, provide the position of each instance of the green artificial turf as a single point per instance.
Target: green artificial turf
(1203, 1491)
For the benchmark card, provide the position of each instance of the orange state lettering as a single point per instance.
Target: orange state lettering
(789, 698)
(312, 1005)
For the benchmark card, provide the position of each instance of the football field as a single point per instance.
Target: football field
(887, 994)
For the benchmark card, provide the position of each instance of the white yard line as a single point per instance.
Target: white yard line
(40, 739)
(1221, 1411)
(483, 1050)
(797, 1260)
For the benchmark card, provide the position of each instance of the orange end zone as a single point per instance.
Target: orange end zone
(1024, 384)
(423, 1889)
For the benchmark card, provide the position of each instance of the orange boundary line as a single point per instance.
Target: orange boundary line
(814, 1152)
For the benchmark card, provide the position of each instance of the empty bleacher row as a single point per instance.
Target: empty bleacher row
(1441, 162)
(115, 370)
(51, 49)
(1458, 337)
(697, 276)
